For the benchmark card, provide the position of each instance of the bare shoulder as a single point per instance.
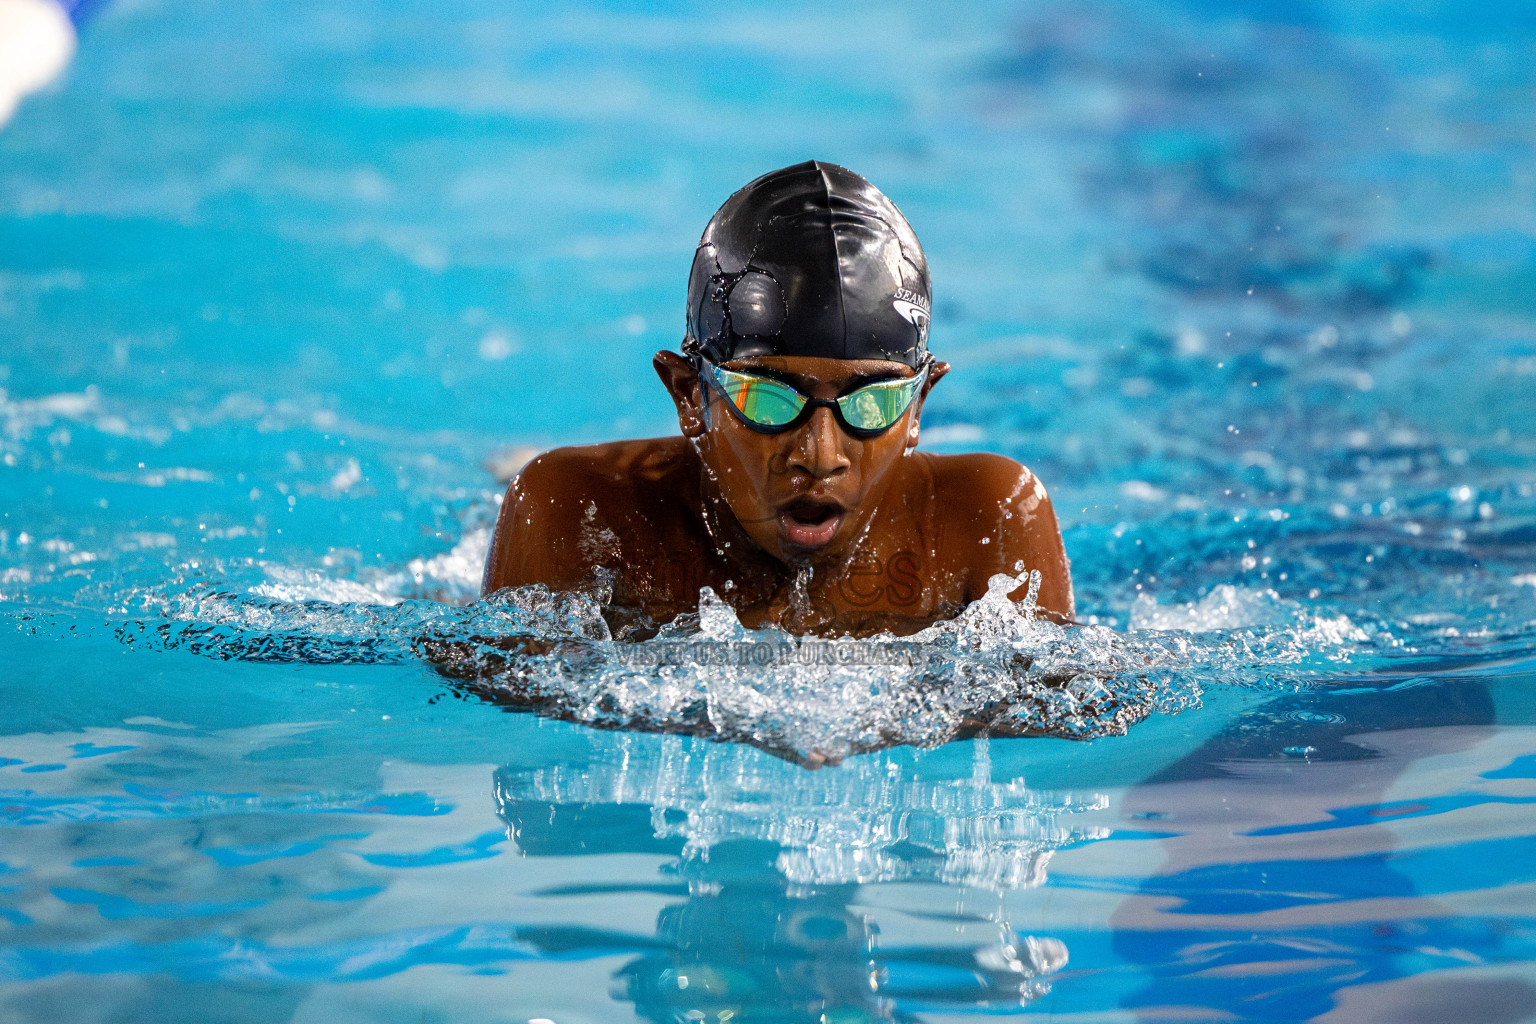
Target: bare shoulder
(565, 511)
(985, 480)
(1000, 517)
(991, 500)
(601, 467)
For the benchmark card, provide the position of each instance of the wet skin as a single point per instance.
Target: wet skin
(811, 530)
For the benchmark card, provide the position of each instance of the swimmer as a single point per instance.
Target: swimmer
(796, 490)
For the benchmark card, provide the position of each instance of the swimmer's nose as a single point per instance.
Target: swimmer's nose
(819, 448)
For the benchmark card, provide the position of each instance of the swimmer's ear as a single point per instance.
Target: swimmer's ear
(935, 372)
(682, 383)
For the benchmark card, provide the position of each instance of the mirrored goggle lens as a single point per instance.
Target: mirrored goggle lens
(877, 406)
(760, 399)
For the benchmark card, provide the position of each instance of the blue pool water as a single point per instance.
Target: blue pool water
(1252, 286)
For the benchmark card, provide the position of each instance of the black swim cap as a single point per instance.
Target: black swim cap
(811, 260)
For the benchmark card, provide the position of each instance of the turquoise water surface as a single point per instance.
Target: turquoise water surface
(285, 287)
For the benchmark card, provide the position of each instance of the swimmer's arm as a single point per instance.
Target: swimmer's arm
(537, 537)
(1020, 524)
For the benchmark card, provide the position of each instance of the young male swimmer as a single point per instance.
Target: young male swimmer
(796, 490)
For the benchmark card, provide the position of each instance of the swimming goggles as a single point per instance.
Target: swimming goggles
(771, 406)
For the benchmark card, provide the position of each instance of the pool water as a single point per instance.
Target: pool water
(285, 287)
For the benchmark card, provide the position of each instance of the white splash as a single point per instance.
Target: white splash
(994, 669)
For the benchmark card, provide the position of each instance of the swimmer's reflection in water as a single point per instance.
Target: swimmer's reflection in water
(745, 944)
(739, 948)
(796, 490)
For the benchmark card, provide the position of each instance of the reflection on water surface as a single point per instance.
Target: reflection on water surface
(771, 863)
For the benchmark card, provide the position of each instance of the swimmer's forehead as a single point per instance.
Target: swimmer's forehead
(813, 370)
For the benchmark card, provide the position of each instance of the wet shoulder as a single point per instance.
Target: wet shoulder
(998, 519)
(613, 472)
(572, 509)
(983, 484)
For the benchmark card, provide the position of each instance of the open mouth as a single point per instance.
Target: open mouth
(810, 524)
